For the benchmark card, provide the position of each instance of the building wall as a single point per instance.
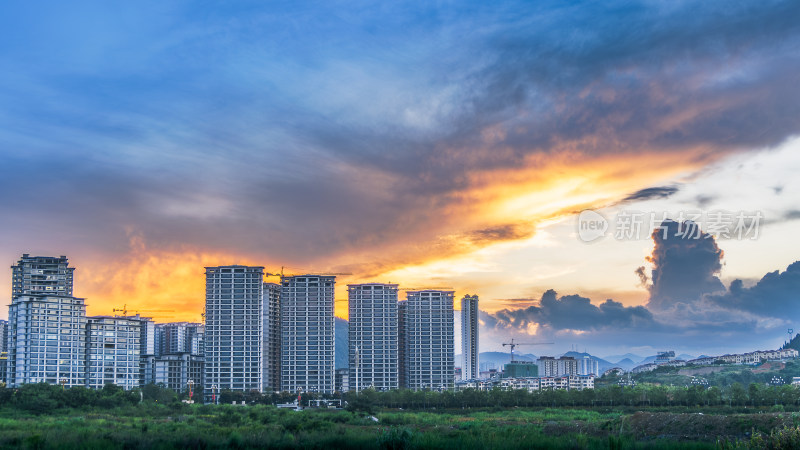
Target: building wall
(113, 350)
(469, 337)
(46, 340)
(307, 333)
(373, 337)
(402, 345)
(430, 341)
(271, 317)
(233, 329)
(176, 371)
(556, 367)
(41, 275)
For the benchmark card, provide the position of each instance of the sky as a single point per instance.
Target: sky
(431, 144)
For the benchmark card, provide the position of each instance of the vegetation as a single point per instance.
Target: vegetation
(645, 416)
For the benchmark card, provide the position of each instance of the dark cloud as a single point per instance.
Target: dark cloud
(641, 272)
(775, 295)
(685, 262)
(574, 313)
(501, 233)
(651, 193)
(704, 200)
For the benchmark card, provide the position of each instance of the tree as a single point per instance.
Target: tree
(738, 395)
(37, 398)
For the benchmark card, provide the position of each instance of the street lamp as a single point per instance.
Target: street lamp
(62, 381)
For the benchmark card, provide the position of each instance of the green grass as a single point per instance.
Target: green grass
(225, 426)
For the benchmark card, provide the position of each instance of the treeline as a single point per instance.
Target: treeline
(610, 396)
(40, 398)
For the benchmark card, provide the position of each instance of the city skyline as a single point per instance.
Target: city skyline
(419, 145)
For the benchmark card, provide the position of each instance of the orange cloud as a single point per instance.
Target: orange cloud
(497, 207)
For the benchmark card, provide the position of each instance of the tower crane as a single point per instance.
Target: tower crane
(124, 310)
(428, 288)
(513, 344)
(309, 272)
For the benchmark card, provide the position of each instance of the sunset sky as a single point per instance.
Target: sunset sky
(431, 144)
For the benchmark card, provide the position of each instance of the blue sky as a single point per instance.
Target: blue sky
(421, 143)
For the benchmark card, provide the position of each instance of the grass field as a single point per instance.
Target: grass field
(197, 426)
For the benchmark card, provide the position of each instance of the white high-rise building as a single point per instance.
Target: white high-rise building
(271, 310)
(46, 340)
(41, 275)
(307, 333)
(233, 331)
(113, 349)
(469, 338)
(429, 340)
(552, 367)
(588, 366)
(373, 336)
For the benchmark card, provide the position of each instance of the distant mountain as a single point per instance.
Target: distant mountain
(685, 356)
(341, 329)
(626, 364)
(631, 356)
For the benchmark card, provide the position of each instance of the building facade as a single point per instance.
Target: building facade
(179, 337)
(113, 350)
(41, 275)
(588, 366)
(373, 336)
(307, 333)
(402, 345)
(556, 367)
(46, 340)
(271, 317)
(178, 371)
(429, 340)
(469, 338)
(233, 329)
(3, 349)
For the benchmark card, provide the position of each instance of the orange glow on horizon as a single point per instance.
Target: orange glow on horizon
(154, 280)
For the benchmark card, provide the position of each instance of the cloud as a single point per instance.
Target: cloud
(686, 262)
(572, 312)
(775, 295)
(652, 193)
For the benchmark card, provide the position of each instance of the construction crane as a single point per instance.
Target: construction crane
(124, 310)
(308, 272)
(513, 344)
(429, 288)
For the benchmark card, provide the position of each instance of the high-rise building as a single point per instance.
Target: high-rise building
(588, 366)
(271, 317)
(113, 350)
(469, 337)
(41, 275)
(556, 367)
(373, 336)
(3, 349)
(179, 337)
(402, 346)
(307, 333)
(233, 330)
(46, 340)
(429, 340)
(178, 371)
